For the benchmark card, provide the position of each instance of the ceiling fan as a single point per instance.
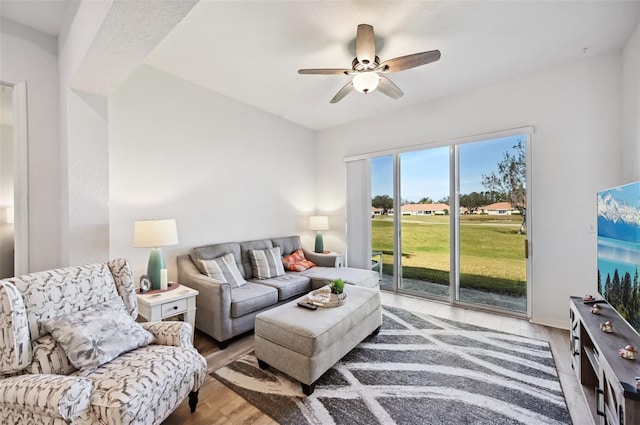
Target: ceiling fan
(367, 70)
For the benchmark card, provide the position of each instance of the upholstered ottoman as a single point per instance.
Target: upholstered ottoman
(304, 343)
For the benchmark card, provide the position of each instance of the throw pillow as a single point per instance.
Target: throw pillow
(97, 335)
(266, 263)
(297, 262)
(223, 269)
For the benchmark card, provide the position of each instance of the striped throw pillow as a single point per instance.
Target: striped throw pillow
(223, 269)
(266, 263)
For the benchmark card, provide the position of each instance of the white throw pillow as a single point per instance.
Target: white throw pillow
(266, 263)
(97, 335)
(223, 269)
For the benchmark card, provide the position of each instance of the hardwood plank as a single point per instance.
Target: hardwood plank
(219, 405)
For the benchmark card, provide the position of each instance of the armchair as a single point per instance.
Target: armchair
(38, 382)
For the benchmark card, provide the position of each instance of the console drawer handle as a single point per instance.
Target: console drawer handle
(598, 393)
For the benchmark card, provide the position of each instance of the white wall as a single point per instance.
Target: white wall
(631, 108)
(32, 57)
(101, 44)
(576, 151)
(88, 178)
(224, 170)
(84, 182)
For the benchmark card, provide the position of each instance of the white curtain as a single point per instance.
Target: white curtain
(359, 214)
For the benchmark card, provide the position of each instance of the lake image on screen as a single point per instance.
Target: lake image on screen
(619, 250)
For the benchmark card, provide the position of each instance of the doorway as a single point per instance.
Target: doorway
(14, 179)
(7, 210)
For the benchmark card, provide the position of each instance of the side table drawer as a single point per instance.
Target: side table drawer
(173, 308)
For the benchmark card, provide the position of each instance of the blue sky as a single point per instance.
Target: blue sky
(426, 172)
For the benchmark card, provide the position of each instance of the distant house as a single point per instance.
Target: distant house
(376, 211)
(498, 208)
(425, 209)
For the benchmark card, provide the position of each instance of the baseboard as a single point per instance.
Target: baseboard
(552, 322)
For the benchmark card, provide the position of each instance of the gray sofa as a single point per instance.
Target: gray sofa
(224, 312)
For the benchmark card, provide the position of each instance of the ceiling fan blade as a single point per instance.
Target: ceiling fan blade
(348, 88)
(326, 71)
(386, 86)
(365, 44)
(409, 61)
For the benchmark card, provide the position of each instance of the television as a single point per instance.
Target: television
(619, 250)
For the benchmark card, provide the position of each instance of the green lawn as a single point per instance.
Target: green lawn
(491, 250)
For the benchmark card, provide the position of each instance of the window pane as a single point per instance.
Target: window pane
(382, 219)
(492, 231)
(425, 231)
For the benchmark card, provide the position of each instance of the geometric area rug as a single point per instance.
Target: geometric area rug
(418, 370)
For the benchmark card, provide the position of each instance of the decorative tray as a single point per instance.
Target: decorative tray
(324, 298)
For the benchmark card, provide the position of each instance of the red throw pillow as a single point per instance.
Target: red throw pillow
(296, 262)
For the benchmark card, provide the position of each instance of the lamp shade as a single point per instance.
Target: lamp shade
(154, 233)
(366, 82)
(319, 222)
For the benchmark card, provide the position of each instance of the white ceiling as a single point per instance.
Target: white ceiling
(251, 50)
(44, 15)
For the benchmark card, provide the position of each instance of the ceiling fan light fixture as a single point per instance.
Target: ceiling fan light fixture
(366, 82)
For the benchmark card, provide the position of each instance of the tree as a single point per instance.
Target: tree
(510, 180)
(444, 200)
(382, 201)
(473, 201)
(425, 200)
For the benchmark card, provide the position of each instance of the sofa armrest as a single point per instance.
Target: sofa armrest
(213, 302)
(57, 396)
(177, 334)
(323, 260)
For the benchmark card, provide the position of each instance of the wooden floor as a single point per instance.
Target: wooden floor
(219, 405)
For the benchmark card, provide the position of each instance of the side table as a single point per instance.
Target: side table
(163, 305)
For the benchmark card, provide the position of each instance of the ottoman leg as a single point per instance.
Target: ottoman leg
(376, 331)
(308, 389)
(263, 365)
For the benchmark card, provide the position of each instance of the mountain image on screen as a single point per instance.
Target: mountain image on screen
(619, 250)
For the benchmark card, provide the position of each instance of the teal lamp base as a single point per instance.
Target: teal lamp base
(319, 243)
(156, 263)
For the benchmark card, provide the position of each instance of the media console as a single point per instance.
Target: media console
(608, 380)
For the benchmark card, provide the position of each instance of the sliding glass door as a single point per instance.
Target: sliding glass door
(492, 230)
(448, 222)
(425, 218)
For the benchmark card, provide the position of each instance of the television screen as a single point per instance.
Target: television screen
(619, 250)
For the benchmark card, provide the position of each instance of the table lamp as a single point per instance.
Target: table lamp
(319, 222)
(154, 234)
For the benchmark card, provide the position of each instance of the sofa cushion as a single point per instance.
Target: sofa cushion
(287, 245)
(143, 386)
(296, 262)
(209, 252)
(266, 263)
(289, 285)
(96, 335)
(49, 358)
(53, 293)
(321, 276)
(252, 297)
(223, 269)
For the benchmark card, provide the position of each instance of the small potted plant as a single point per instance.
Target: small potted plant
(337, 286)
(337, 290)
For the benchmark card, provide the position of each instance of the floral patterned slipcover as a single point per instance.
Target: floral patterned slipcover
(38, 385)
